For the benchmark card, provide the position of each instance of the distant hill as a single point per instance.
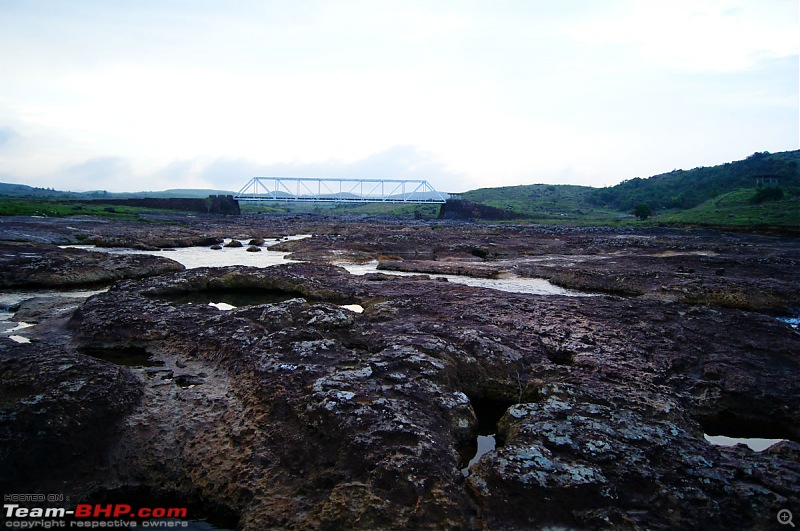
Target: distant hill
(723, 195)
(22, 190)
(681, 189)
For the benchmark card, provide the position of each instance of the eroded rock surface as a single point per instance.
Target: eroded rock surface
(27, 265)
(302, 414)
(58, 412)
(296, 413)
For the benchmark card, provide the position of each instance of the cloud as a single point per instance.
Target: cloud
(398, 162)
(698, 35)
(7, 135)
(152, 96)
(102, 173)
(120, 174)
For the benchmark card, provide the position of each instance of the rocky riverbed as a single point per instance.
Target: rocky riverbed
(297, 413)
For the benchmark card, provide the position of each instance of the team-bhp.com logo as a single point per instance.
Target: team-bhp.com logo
(93, 516)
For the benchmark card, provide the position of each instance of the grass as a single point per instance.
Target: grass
(547, 203)
(58, 209)
(737, 209)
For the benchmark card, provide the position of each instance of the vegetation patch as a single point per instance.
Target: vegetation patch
(741, 208)
(58, 209)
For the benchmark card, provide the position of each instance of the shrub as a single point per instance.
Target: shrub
(767, 194)
(642, 211)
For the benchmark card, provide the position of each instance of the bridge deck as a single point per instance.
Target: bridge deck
(307, 189)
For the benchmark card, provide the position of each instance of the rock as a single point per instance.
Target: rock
(37, 309)
(46, 265)
(301, 414)
(256, 241)
(234, 243)
(216, 247)
(362, 415)
(253, 249)
(58, 416)
(469, 269)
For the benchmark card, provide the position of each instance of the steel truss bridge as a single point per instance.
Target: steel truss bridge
(312, 190)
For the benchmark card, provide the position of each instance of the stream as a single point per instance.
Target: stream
(194, 257)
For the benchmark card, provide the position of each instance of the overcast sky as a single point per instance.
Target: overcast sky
(129, 95)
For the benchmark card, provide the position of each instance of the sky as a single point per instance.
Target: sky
(134, 95)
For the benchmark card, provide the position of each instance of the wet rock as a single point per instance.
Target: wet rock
(258, 242)
(253, 249)
(44, 265)
(589, 462)
(469, 269)
(58, 415)
(300, 414)
(234, 243)
(37, 309)
(361, 416)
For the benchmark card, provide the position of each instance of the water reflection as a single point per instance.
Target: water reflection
(755, 444)
(194, 257)
(536, 286)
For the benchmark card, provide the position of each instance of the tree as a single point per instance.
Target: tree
(642, 211)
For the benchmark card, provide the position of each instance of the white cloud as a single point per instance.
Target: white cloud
(7, 135)
(487, 93)
(224, 173)
(715, 35)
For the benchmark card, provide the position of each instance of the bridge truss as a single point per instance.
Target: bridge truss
(313, 190)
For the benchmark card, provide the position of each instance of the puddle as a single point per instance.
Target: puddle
(755, 444)
(485, 444)
(794, 322)
(194, 257)
(488, 412)
(10, 300)
(512, 284)
(231, 299)
(228, 299)
(224, 306)
(7, 328)
(669, 254)
(20, 326)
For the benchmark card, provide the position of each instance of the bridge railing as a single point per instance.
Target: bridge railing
(308, 189)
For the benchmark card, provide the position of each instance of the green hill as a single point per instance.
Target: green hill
(545, 203)
(741, 208)
(681, 189)
(723, 195)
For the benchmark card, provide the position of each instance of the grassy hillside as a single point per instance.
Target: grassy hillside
(739, 208)
(546, 203)
(687, 189)
(719, 195)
